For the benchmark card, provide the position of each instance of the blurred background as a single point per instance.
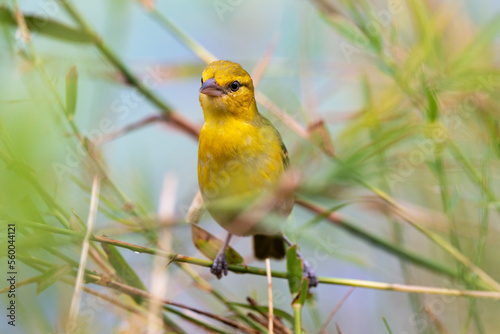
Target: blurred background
(404, 93)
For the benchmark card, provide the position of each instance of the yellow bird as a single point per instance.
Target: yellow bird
(241, 157)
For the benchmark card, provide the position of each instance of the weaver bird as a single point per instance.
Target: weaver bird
(241, 157)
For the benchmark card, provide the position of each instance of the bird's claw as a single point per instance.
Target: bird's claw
(219, 266)
(310, 274)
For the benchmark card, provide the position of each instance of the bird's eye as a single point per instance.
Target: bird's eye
(234, 86)
(202, 80)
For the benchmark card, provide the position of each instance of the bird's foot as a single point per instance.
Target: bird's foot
(219, 266)
(310, 274)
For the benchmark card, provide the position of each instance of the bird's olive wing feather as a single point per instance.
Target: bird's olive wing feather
(284, 152)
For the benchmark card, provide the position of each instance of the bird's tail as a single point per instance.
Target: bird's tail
(265, 246)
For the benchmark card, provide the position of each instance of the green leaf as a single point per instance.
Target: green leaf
(44, 26)
(294, 269)
(278, 312)
(320, 136)
(122, 268)
(387, 325)
(82, 224)
(28, 209)
(209, 245)
(51, 276)
(71, 91)
(432, 106)
(348, 30)
(301, 298)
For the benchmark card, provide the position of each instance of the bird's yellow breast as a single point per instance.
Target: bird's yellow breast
(237, 158)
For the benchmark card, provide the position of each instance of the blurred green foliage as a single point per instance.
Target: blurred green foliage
(389, 110)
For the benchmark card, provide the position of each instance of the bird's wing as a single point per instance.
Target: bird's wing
(284, 152)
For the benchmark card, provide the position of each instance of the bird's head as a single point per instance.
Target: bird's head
(227, 90)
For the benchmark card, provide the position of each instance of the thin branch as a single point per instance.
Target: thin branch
(204, 285)
(195, 209)
(435, 320)
(297, 308)
(340, 221)
(460, 257)
(30, 261)
(270, 297)
(278, 274)
(21, 283)
(202, 53)
(130, 128)
(278, 323)
(75, 301)
(21, 23)
(112, 300)
(263, 63)
(160, 273)
(335, 310)
(170, 115)
(127, 289)
(282, 115)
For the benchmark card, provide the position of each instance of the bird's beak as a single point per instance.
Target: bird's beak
(211, 87)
